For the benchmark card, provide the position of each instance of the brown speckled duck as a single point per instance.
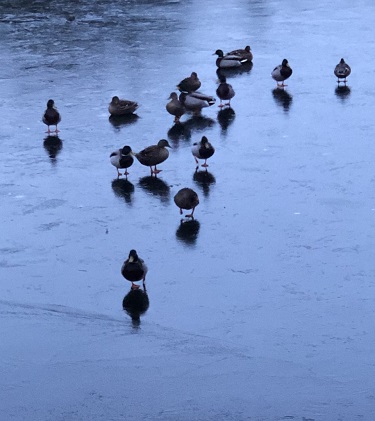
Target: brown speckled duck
(154, 155)
(118, 107)
(175, 107)
(186, 198)
(51, 116)
(189, 84)
(342, 71)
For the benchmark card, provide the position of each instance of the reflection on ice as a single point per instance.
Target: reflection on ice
(53, 146)
(342, 92)
(187, 232)
(123, 188)
(235, 71)
(124, 120)
(204, 179)
(155, 186)
(135, 303)
(282, 98)
(179, 131)
(225, 117)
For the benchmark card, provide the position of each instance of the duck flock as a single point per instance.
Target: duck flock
(189, 100)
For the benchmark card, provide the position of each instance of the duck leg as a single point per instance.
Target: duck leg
(134, 286)
(155, 170)
(118, 174)
(205, 164)
(191, 215)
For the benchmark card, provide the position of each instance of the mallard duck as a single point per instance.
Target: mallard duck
(224, 91)
(245, 55)
(202, 150)
(175, 107)
(119, 106)
(154, 155)
(134, 269)
(187, 199)
(122, 158)
(342, 71)
(282, 72)
(189, 84)
(51, 116)
(227, 61)
(195, 101)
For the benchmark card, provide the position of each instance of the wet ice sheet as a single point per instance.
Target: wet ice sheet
(265, 304)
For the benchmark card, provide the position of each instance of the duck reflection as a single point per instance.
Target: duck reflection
(155, 186)
(342, 92)
(204, 179)
(123, 188)
(282, 98)
(53, 146)
(226, 117)
(187, 232)
(198, 123)
(135, 304)
(235, 71)
(123, 120)
(179, 131)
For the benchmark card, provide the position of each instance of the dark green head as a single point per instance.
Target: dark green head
(219, 53)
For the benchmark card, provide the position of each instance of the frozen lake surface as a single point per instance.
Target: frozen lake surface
(262, 308)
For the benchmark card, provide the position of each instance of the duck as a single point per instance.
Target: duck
(228, 61)
(244, 54)
(195, 101)
(342, 71)
(122, 158)
(186, 198)
(202, 150)
(224, 91)
(118, 107)
(189, 84)
(134, 269)
(175, 107)
(282, 72)
(154, 155)
(51, 116)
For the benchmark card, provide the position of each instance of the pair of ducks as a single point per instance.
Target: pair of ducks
(151, 157)
(190, 100)
(134, 268)
(283, 71)
(117, 107)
